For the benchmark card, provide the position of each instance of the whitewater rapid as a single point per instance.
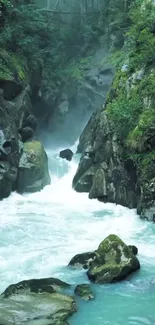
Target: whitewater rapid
(41, 232)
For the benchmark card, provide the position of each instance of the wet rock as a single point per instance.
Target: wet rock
(21, 106)
(82, 260)
(8, 175)
(134, 249)
(35, 302)
(66, 154)
(9, 151)
(83, 179)
(84, 291)
(26, 133)
(114, 262)
(33, 174)
(30, 121)
(11, 88)
(101, 171)
(48, 285)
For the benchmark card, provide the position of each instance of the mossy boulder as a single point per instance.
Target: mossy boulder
(33, 174)
(48, 285)
(115, 261)
(84, 291)
(82, 260)
(31, 302)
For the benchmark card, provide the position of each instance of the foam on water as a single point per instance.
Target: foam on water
(41, 232)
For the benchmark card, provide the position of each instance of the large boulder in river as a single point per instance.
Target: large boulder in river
(33, 172)
(115, 261)
(48, 285)
(36, 302)
(66, 154)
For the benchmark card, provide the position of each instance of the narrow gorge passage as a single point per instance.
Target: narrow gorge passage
(77, 69)
(41, 232)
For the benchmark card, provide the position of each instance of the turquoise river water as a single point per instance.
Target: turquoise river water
(41, 232)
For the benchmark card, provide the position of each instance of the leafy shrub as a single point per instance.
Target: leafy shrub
(124, 113)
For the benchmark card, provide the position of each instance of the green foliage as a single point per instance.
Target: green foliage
(138, 136)
(146, 162)
(147, 85)
(141, 36)
(117, 58)
(6, 3)
(12, 66)
(129, 114)
(36, 39)
(75, 70)
(124, 113)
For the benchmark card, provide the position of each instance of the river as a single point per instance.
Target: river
(41, 232)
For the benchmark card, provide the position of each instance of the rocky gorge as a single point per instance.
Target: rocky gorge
(50, 83)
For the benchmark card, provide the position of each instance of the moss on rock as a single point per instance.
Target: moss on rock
(84, 291)
(37, 301)
(114, 263)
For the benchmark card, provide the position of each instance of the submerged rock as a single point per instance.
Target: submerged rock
(66, 154)
(33, 172)
(84, 291)
(115, 261)
(31, 302)
(82, 260)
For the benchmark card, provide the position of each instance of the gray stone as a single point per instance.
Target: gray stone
(33, 174)
(36, 302)
(103, 175)
(66, 154)
(82, 260)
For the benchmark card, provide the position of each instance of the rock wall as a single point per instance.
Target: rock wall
(17, 126)
(101, 171)
(117, 145)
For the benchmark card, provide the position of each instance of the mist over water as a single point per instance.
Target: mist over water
(65, 133)
(41, 232)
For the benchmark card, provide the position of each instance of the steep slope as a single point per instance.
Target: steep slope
(118, 144)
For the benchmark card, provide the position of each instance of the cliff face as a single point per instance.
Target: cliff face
(118, 144)
(19, 85)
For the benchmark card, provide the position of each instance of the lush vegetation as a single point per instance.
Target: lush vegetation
(33, 39)
(133, 87)
(131, 101)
